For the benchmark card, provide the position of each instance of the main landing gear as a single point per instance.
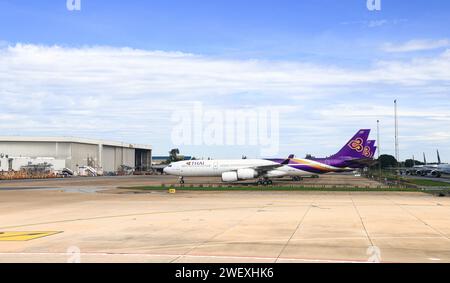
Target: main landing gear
(297, 179)
(181, 180)
(265, 182)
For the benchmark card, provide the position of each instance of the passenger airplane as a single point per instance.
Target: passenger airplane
(357, 153)
(435, 170)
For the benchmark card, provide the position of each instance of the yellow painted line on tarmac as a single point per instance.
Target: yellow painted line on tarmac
(24, 236)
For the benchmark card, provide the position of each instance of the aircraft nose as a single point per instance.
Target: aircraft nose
(168, 170)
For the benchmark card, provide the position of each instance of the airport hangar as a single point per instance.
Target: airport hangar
(76, 152)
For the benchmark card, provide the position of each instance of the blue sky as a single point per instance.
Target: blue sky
(251, 28)
(330, 67)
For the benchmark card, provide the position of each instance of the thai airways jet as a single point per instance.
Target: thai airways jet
(355, 154)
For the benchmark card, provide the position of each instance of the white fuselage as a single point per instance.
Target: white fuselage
(215, 168)
(443, 168)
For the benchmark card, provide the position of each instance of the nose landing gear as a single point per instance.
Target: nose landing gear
(181, 180)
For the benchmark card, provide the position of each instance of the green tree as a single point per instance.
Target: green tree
(411, 163)
(387, 161)
(174, 154)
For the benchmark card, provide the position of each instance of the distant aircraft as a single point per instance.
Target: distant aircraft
(356, 153)
(435, 170)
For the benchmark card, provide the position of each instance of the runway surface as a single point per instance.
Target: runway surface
(157, 180)
(118, 226)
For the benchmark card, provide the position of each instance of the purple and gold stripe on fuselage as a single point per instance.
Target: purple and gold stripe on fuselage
(312, 166)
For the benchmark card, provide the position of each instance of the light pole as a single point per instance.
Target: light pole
(397, 152)
(379, 148)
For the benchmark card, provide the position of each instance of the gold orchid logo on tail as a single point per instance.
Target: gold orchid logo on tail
(367, 152)
(357, 145)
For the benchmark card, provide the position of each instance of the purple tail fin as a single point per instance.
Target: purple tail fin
(370, 149)
(355, 146)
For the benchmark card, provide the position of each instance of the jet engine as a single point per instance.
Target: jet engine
(230, 177)
(276, 174)
(436, 174)
(241, 174)
(246, 174)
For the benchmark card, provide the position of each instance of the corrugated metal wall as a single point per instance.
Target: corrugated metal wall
(82, 153)
(110, 158)
(114, 157)
(36, 149)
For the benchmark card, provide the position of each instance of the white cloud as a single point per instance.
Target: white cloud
(358, 110)
(129, 94)
(416, 45)
(378, 23)
(375, 23)
(130, 72)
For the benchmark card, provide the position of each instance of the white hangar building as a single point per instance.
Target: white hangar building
(76, 152)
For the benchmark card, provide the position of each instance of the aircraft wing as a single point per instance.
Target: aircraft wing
(264, 169)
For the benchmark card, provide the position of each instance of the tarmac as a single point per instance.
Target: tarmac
(91, 221)
(156, 180)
